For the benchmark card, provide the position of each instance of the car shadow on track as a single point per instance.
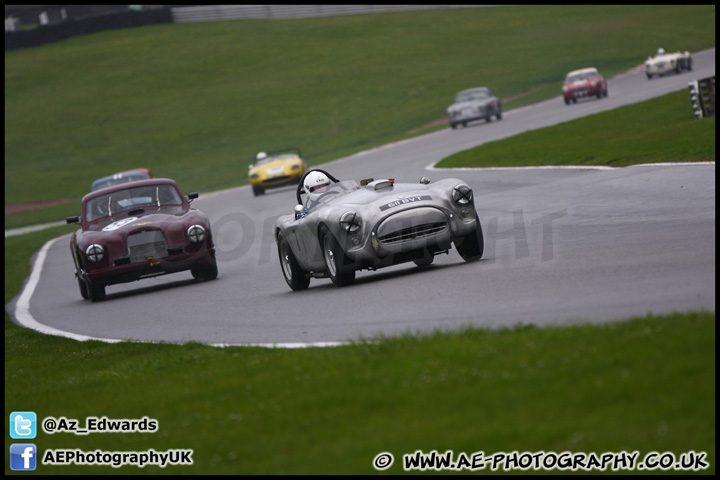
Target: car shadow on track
(474, 123)
(141, 290)
(389, 273)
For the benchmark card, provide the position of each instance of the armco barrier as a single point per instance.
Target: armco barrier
(205, 13)
(70, 28)
(211, 13)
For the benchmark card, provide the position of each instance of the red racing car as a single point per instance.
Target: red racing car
(586, 82)
(138, 230)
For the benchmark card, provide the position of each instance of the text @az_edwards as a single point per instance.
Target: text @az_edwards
(52, 425)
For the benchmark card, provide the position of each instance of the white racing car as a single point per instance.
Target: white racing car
(664, 62)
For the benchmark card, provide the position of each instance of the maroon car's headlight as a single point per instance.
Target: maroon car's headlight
(95, 253)
(196, 234)
(462, 194)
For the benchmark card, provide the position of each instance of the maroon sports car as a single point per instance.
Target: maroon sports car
(138, 230)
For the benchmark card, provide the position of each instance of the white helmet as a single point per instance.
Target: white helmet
(661, 51)
(315, 180)
(260, 156)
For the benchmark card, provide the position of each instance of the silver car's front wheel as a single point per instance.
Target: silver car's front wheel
(294, 276)
(341, 271)
(330, 260)
(471, 246)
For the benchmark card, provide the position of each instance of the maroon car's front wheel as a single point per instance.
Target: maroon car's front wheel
(96, 292)
(206, 270)
(83, 289)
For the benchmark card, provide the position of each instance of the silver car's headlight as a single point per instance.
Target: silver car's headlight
(462, 194)
(350, 222)
(95, 253)
(196, 234)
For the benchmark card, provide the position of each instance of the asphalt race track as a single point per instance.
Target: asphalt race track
(562, 245)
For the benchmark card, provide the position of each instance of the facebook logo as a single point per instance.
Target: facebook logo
(22, 456)
(23, 425)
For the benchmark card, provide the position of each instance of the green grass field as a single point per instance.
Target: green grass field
(646, 385)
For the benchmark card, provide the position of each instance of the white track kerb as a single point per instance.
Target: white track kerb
(22, 307)
(24, 317)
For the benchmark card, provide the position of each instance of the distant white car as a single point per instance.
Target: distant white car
(664, 62)
(474, 104)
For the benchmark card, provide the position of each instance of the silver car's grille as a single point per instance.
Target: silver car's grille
(145, 244)
(411, 225)
(413, 233)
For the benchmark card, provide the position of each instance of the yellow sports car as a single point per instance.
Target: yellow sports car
(283, 167)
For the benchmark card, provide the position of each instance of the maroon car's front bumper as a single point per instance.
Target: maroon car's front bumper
(131, 271)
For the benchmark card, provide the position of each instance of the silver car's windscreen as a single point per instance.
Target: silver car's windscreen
(335, 189)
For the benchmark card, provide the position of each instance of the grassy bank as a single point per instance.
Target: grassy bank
(644, 385)
(195, 102)
(663, 129)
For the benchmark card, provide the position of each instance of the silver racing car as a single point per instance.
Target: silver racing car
(339, 227)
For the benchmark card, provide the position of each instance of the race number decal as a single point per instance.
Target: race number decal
(119, 224)
(405, 201)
